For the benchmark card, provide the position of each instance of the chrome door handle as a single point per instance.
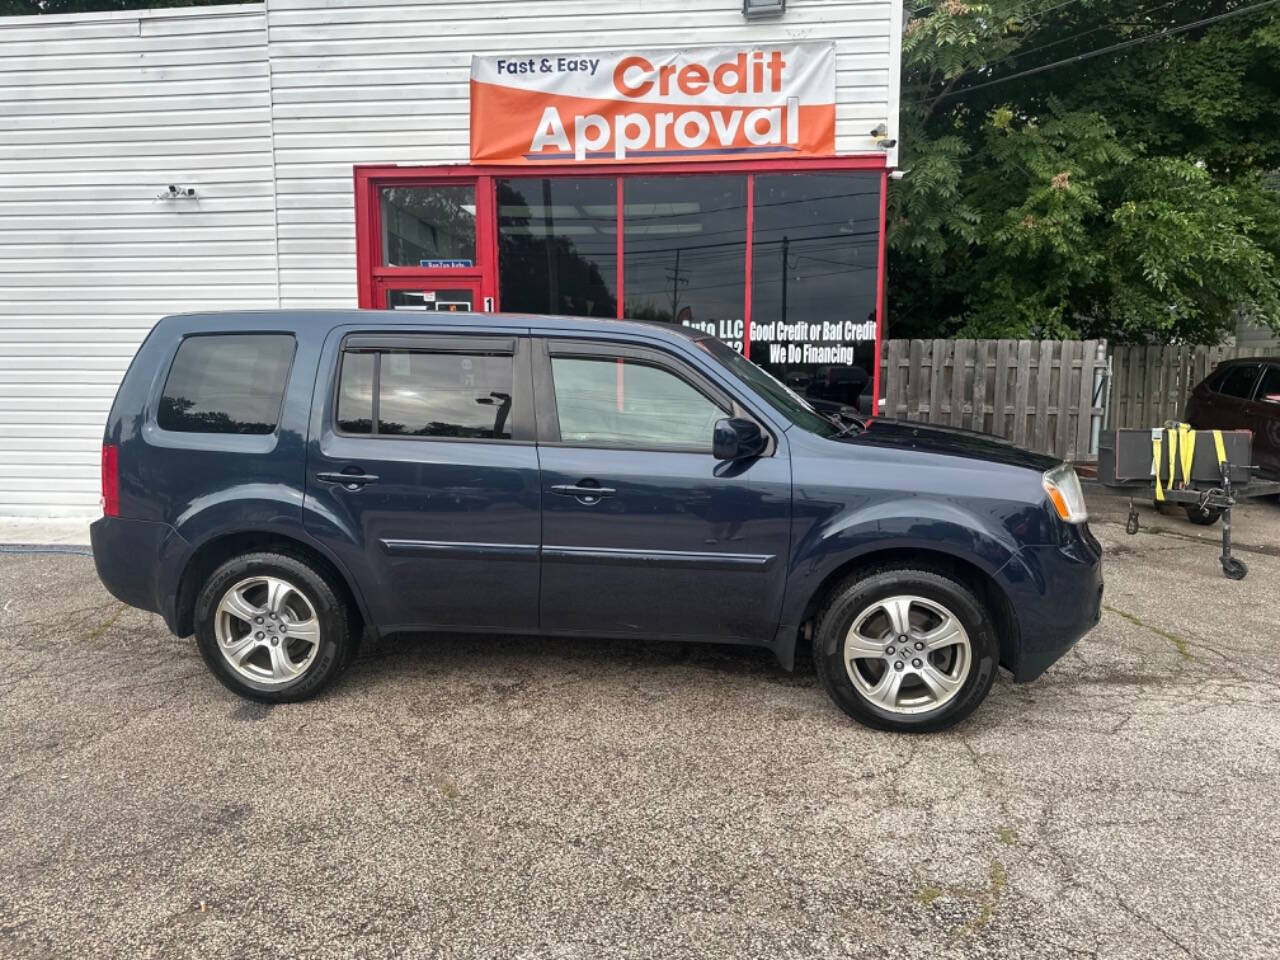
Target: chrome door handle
(352, 481)
(584, 494)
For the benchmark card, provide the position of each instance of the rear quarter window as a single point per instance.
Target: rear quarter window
(227, 383)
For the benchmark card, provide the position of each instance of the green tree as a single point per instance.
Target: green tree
(1126, 195)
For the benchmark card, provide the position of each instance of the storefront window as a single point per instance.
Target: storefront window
(815, 254)
(557, 246)
(429, 226)
(684, 243)
(804, 274)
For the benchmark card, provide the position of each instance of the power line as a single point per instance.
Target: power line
(1089, 55)
(1041, 13)
(1056, 43)
(1084, 33)
(1022, 9)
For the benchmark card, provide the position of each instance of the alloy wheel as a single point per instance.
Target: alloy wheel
(907, 654)
(267, 630)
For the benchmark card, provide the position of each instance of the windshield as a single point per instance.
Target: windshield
(774, 392)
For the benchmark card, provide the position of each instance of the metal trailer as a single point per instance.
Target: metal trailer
(1206, 472)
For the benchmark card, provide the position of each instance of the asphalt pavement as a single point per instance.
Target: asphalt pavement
(491, 797)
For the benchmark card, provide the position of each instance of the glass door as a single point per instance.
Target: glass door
(431, 295)
(431, 245)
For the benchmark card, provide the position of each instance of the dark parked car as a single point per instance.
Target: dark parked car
(1243, 395)
(279, 483)
(843, 385)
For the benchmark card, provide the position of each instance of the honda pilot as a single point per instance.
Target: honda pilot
(281, 484)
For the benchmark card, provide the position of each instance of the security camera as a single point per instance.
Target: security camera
(880, 132)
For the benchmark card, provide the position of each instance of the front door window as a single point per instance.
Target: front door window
(625, 403)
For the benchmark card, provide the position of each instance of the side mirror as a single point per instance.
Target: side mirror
(737, 439)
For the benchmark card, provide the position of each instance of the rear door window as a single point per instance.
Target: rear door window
(425, 393)
(227, 383)
(1238, 381)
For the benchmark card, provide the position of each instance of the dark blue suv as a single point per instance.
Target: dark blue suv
(279, 483)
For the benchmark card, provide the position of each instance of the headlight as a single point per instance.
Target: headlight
(1063, 487)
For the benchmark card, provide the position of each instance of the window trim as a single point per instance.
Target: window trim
(162, 382)
(500, 344)
(548, 415)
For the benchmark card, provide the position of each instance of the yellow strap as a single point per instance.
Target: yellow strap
(1221, 450)
(1187, 447)
(1173, 456)
(1155, 463)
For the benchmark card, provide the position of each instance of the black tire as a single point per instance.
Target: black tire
(856, 595)
(1234, 569)
(1203, 518)
(336, 644)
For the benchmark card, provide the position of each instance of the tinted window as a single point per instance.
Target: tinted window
(439, 300)
(1238, 381)
(231, 383)
(1269, 388)
(815, 259)
(429, 226)
(423, 394)
(685, 251)
(622, 403)
(355, 393)
(558, 246)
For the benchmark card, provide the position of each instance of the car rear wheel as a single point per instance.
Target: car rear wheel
(272, 628)
(906, 649)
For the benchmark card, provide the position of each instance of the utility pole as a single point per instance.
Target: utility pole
(676, 280)
(786, 243)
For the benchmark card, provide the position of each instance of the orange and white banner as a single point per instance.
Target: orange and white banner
(704, 103)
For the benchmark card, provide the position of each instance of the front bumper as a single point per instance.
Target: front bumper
(1056, 593)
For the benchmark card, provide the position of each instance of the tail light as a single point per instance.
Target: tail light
(110, 480)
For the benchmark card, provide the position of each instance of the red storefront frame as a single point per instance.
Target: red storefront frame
(373, 277)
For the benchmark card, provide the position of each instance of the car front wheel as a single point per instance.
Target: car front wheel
(906, 650)
(272, 628)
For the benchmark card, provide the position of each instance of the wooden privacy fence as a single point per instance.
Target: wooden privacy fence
(1045, 395)
(1151, 384)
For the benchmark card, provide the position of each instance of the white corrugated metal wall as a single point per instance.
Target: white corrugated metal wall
(98, 114)
(386, 81)
(264, 111)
